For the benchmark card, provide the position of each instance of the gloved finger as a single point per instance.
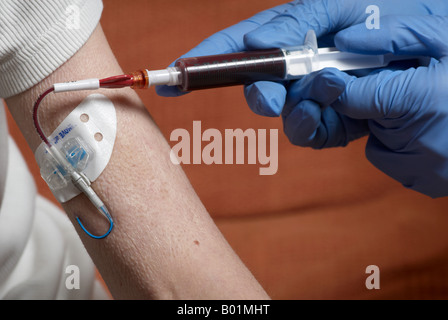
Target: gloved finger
(302, 114)
(412, 35)
(323, 87)
(307, 120)
(372, 97)
(325, 16)
(303, 125)
(307, 125)
(266, 98)
(225, 41)
(391, 94)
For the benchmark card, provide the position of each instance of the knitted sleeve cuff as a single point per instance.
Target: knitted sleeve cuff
(37, 37)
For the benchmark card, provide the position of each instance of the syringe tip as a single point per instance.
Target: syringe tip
(140, 79)
(146, 79)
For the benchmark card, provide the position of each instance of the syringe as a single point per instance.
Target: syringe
(223, 70)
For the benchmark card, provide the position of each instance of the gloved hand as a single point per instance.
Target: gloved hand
(407, 111)
(307, 106)
(286, 25)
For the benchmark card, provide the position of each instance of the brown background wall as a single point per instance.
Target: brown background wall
(310, 231)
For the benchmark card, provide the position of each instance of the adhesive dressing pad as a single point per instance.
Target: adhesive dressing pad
(86, 138)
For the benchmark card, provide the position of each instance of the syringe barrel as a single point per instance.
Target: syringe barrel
(231, 69)
(264, 65)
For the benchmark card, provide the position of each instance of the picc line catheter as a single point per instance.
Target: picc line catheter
(211, 72)
(68, 170)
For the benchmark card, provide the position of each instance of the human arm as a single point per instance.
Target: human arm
(164, 244)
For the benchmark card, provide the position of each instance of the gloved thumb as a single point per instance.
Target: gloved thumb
(375, 96)
(389, 94)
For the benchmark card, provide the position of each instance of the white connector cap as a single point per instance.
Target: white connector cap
(169, 76)
(88, 84)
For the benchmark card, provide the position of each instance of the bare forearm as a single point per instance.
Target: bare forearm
(164, 244)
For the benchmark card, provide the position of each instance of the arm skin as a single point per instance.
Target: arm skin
(164, 244)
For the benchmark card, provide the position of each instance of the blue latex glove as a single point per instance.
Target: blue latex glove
(286, 25)
(407, 110)
(312, 112)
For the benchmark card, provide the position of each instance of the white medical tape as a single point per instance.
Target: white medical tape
(94, 121)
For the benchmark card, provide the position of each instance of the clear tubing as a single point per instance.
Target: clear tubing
(106, 213)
